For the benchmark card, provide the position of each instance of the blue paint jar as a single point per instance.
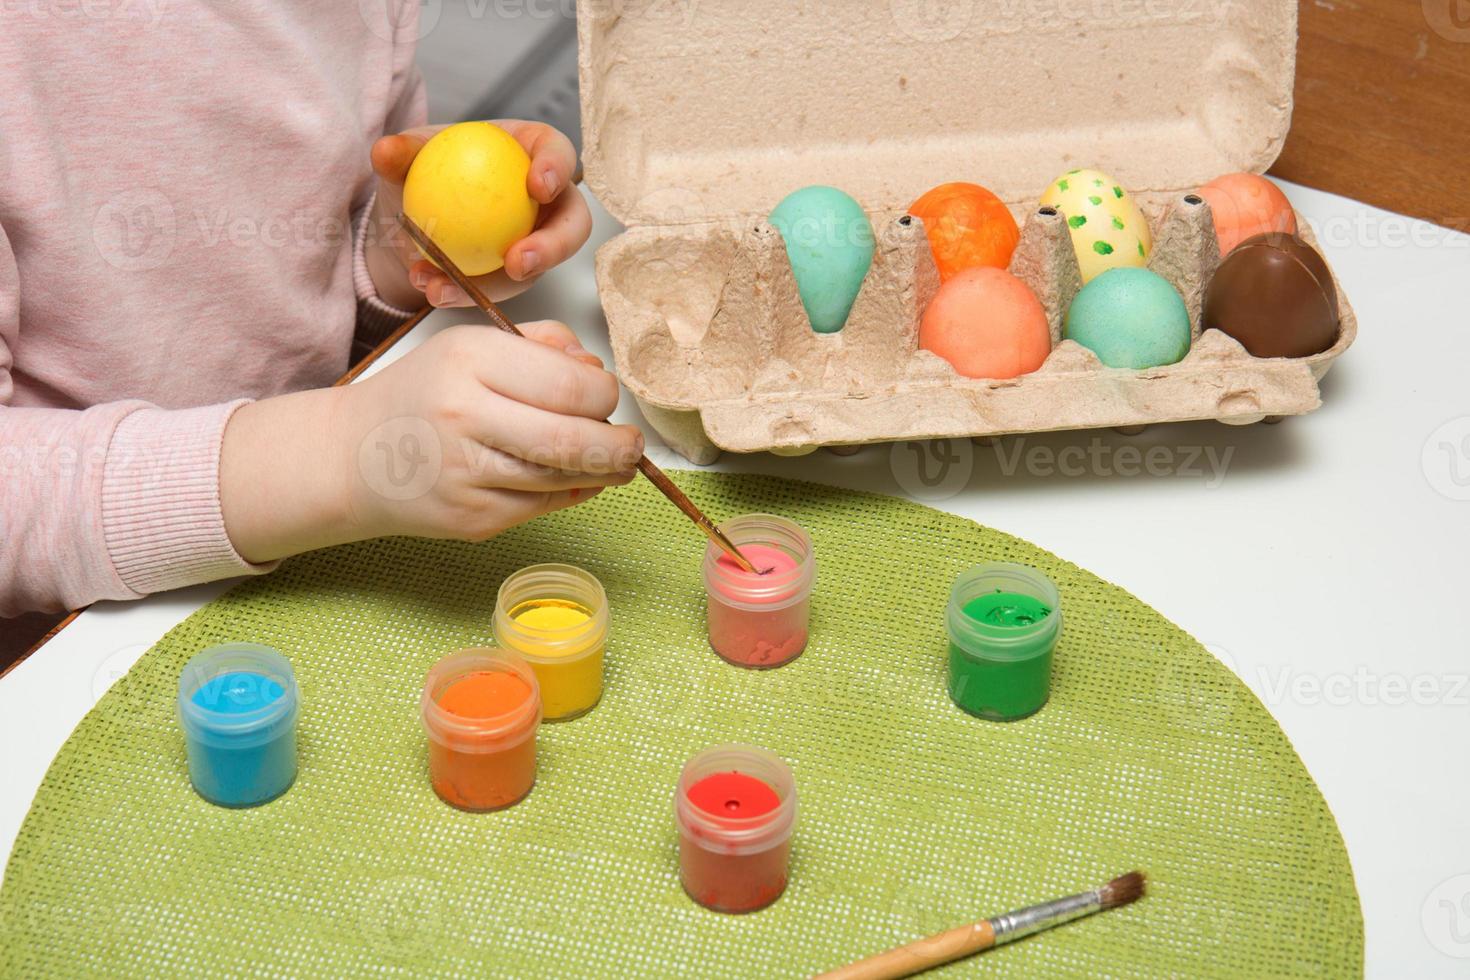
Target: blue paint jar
(237, 706)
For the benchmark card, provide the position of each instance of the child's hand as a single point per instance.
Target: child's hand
(472, 433)
(401, 273)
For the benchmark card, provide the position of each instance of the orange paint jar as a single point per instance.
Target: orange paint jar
(481, 709)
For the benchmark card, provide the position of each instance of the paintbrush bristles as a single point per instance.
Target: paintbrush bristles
(1123, 890)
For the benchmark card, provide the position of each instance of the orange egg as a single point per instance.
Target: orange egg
(967, 227)
(987, 324)
(1246, 205)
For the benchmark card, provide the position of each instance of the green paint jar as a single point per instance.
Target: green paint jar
(1004, 620)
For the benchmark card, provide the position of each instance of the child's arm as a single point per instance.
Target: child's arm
(472, 433)
(108, 503)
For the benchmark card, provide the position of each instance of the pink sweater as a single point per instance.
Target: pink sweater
(179, 183)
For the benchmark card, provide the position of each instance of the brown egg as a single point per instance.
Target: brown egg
(1275, 295)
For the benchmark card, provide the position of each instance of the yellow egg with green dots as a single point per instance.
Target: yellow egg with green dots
(467, 190)
(1108, 230)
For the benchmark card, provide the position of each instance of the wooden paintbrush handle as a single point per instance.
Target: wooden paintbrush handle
(924, 954)
(503, 322)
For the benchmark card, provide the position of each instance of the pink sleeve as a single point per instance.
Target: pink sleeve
(408, 106)
(113, 502)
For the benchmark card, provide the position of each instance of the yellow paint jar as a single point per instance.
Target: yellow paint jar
(556, 617)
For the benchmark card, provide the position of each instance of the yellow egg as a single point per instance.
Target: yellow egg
(467, 190)
(1108, 230)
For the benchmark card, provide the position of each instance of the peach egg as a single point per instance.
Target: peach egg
(1246, 205)
(987, 324)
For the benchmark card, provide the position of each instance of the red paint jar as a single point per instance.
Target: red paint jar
(760, 621)
(481, 709)
(735, 808)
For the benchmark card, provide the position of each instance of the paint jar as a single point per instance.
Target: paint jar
(735, 808)
(480, 708)
(755, 620)
(1004, 620)
(556, 617)
(238, 704)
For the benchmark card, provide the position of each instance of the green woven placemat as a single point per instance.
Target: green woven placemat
(913, 815)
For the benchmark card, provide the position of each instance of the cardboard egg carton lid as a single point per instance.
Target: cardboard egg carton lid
(694, 128)
(704, 110)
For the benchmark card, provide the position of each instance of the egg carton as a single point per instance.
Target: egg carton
(698, 119)
(709, 333)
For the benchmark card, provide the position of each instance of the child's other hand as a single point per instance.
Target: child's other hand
(472, 433)
(562, 227)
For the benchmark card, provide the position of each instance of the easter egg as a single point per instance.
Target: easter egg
(1130, 318)
(1108, 230)
(987, 324)
(967, 226)
(467, 190)
(829, 241)
(1275, 295)
(1245, 205)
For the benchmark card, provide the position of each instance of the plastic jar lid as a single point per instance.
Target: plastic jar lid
(736, 587)
(490, 734)
(1003, 642)
(730, 834)
(551, 583)
(243, 724)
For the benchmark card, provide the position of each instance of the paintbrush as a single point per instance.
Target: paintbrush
(986, 934)
(655, 475)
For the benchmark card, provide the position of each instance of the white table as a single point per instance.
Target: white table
(1327, 566)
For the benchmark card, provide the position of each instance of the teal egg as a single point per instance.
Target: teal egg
(829, 241)
(1130, 318)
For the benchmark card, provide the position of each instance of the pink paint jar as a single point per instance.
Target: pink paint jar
(760, 621)
(735, 808)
